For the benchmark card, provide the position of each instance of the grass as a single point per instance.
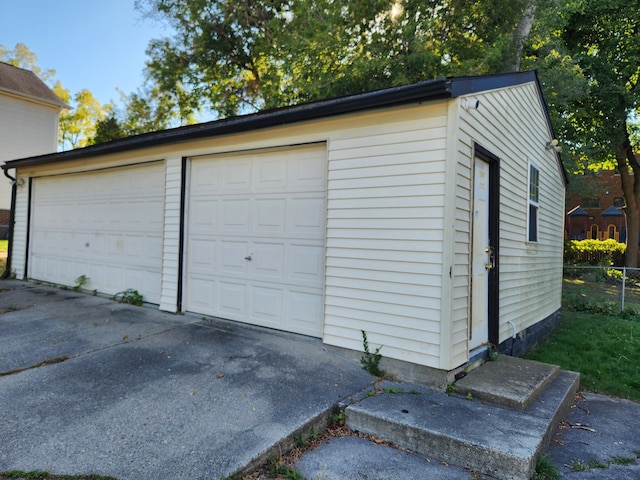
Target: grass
(600, 342)
(4, 245)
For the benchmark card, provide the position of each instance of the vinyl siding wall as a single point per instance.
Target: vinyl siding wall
(171, 244)
(398, 219)
(27, 128)
(385, 221)
(510, 123)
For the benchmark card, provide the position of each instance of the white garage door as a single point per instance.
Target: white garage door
(256, 229)
(106, 225)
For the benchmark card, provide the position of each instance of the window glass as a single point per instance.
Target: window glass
(534, 198)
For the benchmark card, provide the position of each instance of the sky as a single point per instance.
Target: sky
(98, 45)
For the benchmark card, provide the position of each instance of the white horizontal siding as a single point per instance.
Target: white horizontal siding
(26, 129)
(171, 244)
(385, 237)
(511, 124)
(19, 247)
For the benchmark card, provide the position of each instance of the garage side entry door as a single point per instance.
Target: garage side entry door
(255, 238)
(107, 225)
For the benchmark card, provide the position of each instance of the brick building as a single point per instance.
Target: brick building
(598, 214)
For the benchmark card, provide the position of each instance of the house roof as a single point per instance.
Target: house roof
(441, 88)
(25, 83)
(577, 212)
(612, 212)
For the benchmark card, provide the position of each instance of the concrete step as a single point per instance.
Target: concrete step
(491, 439)
(510, 381)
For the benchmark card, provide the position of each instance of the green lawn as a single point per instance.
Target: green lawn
(4, 245)
(595, 340)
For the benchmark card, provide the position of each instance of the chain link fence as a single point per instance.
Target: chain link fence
(606, 289)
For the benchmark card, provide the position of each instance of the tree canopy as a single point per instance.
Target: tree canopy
(234, 56)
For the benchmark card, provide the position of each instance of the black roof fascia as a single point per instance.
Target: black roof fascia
(422, 91)
(468, 85)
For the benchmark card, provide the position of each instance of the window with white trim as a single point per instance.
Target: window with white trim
(534, 203)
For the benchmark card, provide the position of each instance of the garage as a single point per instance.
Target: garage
(106, 225)
(255, 237)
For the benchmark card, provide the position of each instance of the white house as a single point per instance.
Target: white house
(29, 113)
(429, 216)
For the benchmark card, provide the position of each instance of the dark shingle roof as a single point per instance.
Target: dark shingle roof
(25, 83)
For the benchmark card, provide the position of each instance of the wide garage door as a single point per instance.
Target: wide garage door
(106, 225)
(255, 238)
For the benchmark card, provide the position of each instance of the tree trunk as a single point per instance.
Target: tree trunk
(520, 34)
(630, 178)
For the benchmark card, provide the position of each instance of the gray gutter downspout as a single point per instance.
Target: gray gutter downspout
(12, 221)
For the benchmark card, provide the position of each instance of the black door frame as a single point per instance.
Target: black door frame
(493, 293)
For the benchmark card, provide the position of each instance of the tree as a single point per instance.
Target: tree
(234, 56)
(603, 38)
(107, 129)
(78, 126)
(22, 57)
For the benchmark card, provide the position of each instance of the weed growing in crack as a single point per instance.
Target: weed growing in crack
(81, 281)
(371, 361)
(276, 468)
(130, 296)
(545, 469)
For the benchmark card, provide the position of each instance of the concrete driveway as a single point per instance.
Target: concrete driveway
(88, 385)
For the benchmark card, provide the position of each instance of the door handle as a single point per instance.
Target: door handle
(492, 259)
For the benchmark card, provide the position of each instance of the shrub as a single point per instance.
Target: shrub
(602, 253)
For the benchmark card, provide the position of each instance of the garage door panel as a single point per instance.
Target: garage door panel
(309, 172)
(236, 177)
(204, 215)
(203, 294)
(107, 225)
(307, 215)
(268, 260)
(269, 215)
(232, 299)
(202, 252)
(235, 216)
(304, 307)
(266, 305)
(270, 174)
(307, 264)
(232, 257)
(270, 206)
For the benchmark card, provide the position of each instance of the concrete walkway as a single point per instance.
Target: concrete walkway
(92, 386)
(141, 394)
(597, 430)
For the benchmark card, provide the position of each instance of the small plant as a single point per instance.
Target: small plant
(469, 396)
(545, 470)
(597, 464)
(299, 442)
(276, 468)
(451, 388)
(370, 393)
(578, 466)
(623, 461)
(130, 296)
(81, 281)
(493, 353)
(339, 417)
(371, 361)
(390, 390)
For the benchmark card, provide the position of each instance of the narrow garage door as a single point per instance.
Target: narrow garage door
(255, 238)
(106, 225)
